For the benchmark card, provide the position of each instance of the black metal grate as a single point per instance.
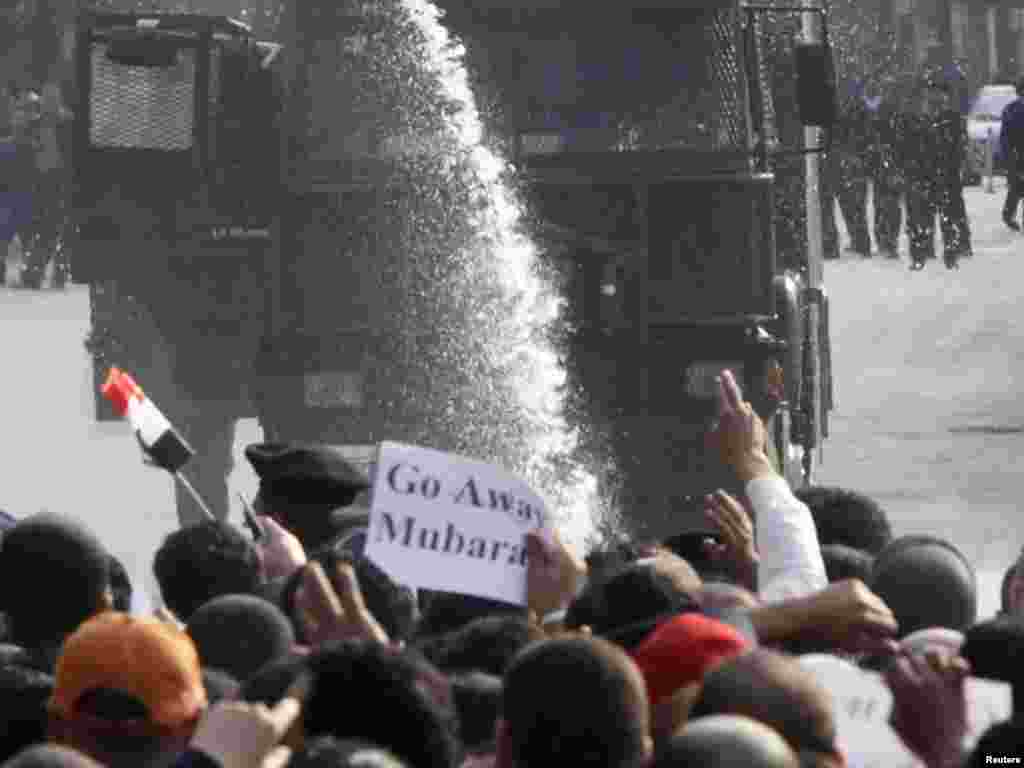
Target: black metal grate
(142, 107)
(727, 70)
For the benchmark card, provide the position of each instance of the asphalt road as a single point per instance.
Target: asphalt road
(929, 421)
(929, 369)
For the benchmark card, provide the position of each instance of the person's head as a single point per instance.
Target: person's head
(200, 562)
(240, 634)
(573, 702)
(56, 574)
(486, 644)
(329, 752)
(626, 605)
(444, 612)
(846, 517)
(842, 562)
(384, 696)
(478, 703)
(694, 548)
(308, 490)
(994, 649)
(775, 690)
(1019, 85)
(726, 741)
(51, 756)
(23, 696)
(681, 650)
(926, 582)
(128, 691)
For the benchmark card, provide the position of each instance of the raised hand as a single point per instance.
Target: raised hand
(737, 549)
(237, 734)
(333, 609)
(739, 434)
(929, 710)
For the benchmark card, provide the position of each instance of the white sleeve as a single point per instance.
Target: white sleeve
(787, 541)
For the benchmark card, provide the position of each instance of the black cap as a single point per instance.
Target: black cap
(306, 473)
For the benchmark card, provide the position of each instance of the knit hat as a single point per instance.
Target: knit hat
(682, 650)
(144, 657)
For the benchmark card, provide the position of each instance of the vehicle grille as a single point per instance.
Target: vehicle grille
(141, 107)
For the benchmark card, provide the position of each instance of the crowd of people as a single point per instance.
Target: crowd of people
(295, 650)
(907, 136)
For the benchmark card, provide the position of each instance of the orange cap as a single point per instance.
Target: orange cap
(143, 657)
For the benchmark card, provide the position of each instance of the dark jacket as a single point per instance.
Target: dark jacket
(933, 146)
(1011, 136)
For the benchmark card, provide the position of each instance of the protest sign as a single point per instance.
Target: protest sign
(863, 703)
(440, 521)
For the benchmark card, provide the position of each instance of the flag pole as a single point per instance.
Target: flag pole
(194, 494)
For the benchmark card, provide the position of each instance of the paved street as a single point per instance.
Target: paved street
(929, 367)
(929, 371)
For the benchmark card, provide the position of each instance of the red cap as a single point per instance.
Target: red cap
(119, 388)
(681, 650)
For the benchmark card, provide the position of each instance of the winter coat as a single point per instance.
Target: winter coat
(933, 147)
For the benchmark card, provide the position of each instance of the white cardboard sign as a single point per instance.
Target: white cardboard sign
(862, 703)
(440, 521)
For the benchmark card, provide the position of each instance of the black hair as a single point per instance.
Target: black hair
(240, 634)
(842, 562)
(329, 752)
(269, 685)
(69, 573)
(120, 586)
(478, 702)
(24, 694)
(630, 598)
(126, 738)
(385, 697)
(487, 644)
(200, 562)
(572, 702)
(925, 593)
(444, 612)
(846, 517)
(994, 650)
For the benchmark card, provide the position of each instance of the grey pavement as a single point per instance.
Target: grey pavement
(929, 369)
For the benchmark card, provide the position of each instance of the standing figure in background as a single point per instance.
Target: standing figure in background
(1011, 140)
(933, 149)
(45, 241)
(846, 177)
(888, 176)
(18, 171)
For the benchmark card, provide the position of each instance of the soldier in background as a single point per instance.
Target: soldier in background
(933, 149)
(845, 177)
(886, 105)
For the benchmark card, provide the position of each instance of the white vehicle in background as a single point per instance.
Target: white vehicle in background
(983, 126)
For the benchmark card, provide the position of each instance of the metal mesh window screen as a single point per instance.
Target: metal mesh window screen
(727, 69)
(141, 107)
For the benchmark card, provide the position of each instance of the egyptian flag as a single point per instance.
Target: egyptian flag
(159, 439)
